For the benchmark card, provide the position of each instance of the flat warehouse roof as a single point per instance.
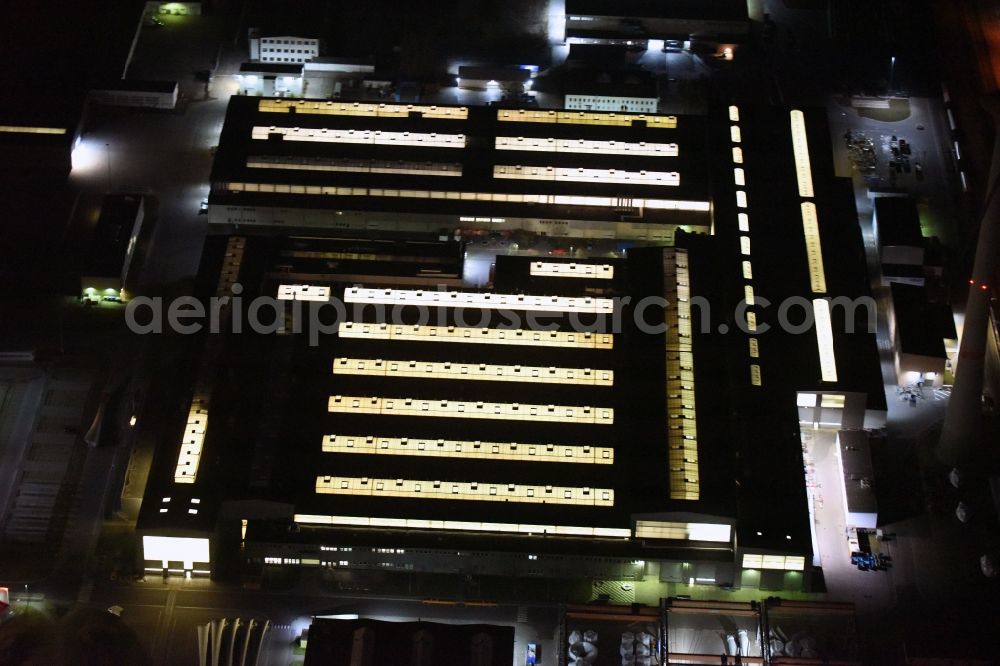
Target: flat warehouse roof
(714, 10)
(527, 162)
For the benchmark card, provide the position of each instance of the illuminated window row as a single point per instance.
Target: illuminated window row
(824, 339)
(376, 137)
(581, 175)
(572, 270)
(814, 248)
(829, 401)
(478, 372)
(463, 526)
(514, 197)
(193, 441)
(655, 529)
(775, 562)
(584, 118)
(452, 169)
(468, 409)
(549, 145)
(464, 490)
(484, 301)
(449, 448)
(800, 147)
(362, 109)
(21, 129)
(682, 430)
(303, 292)
(491, 336)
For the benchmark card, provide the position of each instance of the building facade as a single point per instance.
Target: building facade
(282, 48)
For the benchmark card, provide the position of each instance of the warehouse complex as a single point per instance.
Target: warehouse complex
(607, 417)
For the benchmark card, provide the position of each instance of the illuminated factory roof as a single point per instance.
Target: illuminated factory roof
(502, 163)
(508, 420)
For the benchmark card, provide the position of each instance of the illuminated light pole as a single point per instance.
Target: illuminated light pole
(892, 72)
(962, 431)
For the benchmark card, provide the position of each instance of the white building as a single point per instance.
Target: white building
(282, 49)
(270, 80)
(583, 102)
(615, 97)
(143, 94)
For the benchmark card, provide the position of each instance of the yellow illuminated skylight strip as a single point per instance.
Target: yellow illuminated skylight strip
(362, 109)
(193, 442)
(775, 562)
(303, 292)
(472, 371)
(824, 339)
(450, 169)
(572, 270)
(584, 118)
(581, 175)
(485, 300)
(617, 203)
(814, 248)
(656, 529)
(800, 146)
(464, 526)
(734, 114)
(22, 129)
(490, 336)
(682, 426)
(586, 146)
(755, 377)
(376, 137)
(469, 409)
(449, 448)
(464, 490)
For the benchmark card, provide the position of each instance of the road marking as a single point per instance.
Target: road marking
(163, 630)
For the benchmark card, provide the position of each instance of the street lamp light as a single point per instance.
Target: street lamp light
(892, 72)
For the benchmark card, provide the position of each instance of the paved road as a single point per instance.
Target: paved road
(166, 155)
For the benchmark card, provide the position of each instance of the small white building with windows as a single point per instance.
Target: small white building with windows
(282, 48)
